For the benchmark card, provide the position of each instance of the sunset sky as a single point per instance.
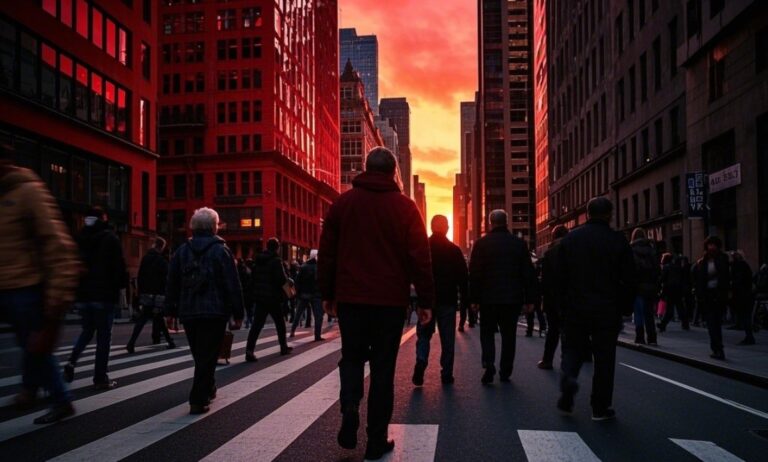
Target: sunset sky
(427, 53)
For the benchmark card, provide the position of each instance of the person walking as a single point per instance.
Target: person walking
(467, 316)
(38, 279)
(597, 284)
(535, 314)
(742, 297)
(203, 291)
(268, 280)
(713, 281)
(647, 292)
(153, 275)
(502, 280)
(549, 291)
(672, 287)
(373, 246)
(99, 291)
(246, 283)
(449, 271)
(308, 295)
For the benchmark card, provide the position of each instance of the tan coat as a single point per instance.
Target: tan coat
(35, 245)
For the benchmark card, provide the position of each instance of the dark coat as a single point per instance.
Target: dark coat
(374, 246)
(549, 274)
(741, 280)
(220, 296)
(153, 273)
(501, 271)
(449, 270)
(596, 271)
(647, 269)
(268, 276)
(105, 270)
(722, 267)
(306, 280)
(673, 283)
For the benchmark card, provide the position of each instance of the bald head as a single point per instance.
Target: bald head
(381, 160)
(440, 225)
(498, 218)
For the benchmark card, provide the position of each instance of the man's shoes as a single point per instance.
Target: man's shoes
(319, 339)
(747, 341)
(130, 349)
(25, 400)
(171, 346)
(447, 379)
(639, 342)
(108, 385)
(418, 373)
(718, 355)
(69, 373)
(461, 328)
(285, 351)
(212, 394)
(686, 327)
(542, 332)
(607, 414)
(565, 404)
(488, 375)
(250, 357)
(293, 334)
(375, 451)
(505, 378)
(350, 421)
(195, 409)
(544, 365)
(58, 412)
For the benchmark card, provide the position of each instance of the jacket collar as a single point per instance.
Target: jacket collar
(500, 229)
(375, 181)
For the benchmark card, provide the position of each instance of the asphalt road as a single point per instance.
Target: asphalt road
(285, 408)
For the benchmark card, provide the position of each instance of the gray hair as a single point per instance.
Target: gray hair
(381, 159)
(498, 217)
(204, 219)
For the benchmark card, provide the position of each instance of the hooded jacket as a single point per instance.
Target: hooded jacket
(373, 246)
(450, 272)
(648, 270)
(153, 273)
(105, 270)
(268, 278)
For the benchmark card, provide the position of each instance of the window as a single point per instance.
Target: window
(198, 192)
(603, 118)
(197, 145)
(232, 49)
(245, 111)
(144, 130)
(256, 47)
(660, 199)
(179, 186)
(658, 128)
(122, 112)
(619, 34)
(256, 78)
(643, 78)
(66, 74)
(257, 111)
(631, 19)
(97, 100)
(194, 22)
(146, 11)
(657, 64)
(28, 65)
(673, 47)
(109, 106)
(635, 208)
(146, 61)
(179, 147)
(257, 183)
(221, 144)
(232, 143)
(674, 126)
(646, 145)
(232, 113)
(675, 193)
(251, 18)
(199, 82)
(123, 45)
(641, 13)
(48, 76)
(233, 76)
(625, 211)
(620, 99)
(245, 183)
(221, 49)
(632, 85)
(219, 184)
(716, 75)
(221, 113)
(647, 204)
(245, 143)
(231, 183)
(97, 24)
(225, 20)
(761, 49)
(162, 186)
(246, 45)
(693, 16)
(7, 53)
(245, 79)
(110, 43)
(81, 14)
(257, 142)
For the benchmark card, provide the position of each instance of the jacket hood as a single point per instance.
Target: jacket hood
(375, 181)
(201, 240)
(264, 257)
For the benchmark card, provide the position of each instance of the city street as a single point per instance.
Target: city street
(285, 408)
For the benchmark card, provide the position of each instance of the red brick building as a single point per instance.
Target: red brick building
(78, 97)
(249, 114)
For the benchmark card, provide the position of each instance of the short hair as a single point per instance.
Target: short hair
(714, 240)
(498, 217)
(439, 224)
(639, 233)
(313, 254)
(600, 208)
(559, 232)
(204, 219)
(667, 258)
(273, 244)
(381, 160)
(160, 243)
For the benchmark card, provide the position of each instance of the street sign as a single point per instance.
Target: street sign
(696, 185)
(725, 178)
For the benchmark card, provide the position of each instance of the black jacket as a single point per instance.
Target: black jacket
(741, 280)
(501, 271)
(722, 268)
(268, 278)
(673, 277)
(153, 273)
(105, 270)
(596, 271)
(549, 273)
(449, 270)
(647, 269)
(306, 280)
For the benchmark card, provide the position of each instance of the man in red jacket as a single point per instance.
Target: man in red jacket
(373, 246)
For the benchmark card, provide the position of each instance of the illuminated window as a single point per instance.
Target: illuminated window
(48, 76)
(82, 18)
(123, 47)
(144, 131)
(225, 20)
(111, 42)
(97, 100)
(97, 25)
(66, 73)
(65, 12)
(122, 112)
(109, 106)
(50, 7)
(251, 17)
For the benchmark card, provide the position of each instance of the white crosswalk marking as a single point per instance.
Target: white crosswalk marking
(261, 442)
(136, 437)
(413, 443)
(706, 451)
(545, 446)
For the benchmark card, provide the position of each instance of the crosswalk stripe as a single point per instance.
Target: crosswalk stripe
(132, 439)
(414, 443)
(261, 442)
(22, 425)
(706, 451)
(546, 446)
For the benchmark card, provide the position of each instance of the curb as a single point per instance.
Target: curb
(735, 374)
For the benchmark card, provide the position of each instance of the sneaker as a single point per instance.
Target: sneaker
(350, 421)
(108, 385)
(250, 357)
(447, 379)
(375, 451)
(607, 414)
(418, 373)
(130, 349)
(69, 372)
(171, 346)
(565, 404)
(545, 365)
(58, 412)
(195, 409)
(319, 339)
(285, 351)
(488, 375)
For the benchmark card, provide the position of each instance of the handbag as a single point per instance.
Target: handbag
(661, 308)
(290, 289)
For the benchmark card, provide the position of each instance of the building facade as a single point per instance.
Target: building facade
(78, 90)
(463, 187)
(420, 197)
(359, 131)
(459, 227)
(249, 111)
(540, 123)
(398, 112)
(363, 52)
(505, 114)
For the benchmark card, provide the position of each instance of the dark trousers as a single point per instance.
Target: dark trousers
(503, 317)
(315, 305)
(260, 317)
(204, 337)
(645, 319)
(713, 310)
(445, 320)
(675, 302)
(744, 304)
(578, 329)
(553, 336)
(370, 333)
(148, 314)
(97, 318)
(539, 315)
(465, 310)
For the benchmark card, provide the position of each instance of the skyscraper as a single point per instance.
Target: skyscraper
(540, 121)
(398, 112)
(420, 196)
(363, 52)
(506, 111)
(461, 191)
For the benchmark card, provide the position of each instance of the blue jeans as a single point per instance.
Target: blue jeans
(96, 317)
(444, 317)
(645, 317)
(22, 308)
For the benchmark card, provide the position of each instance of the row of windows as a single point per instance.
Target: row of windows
(180, 115)
(243, 80)
(640, 151)
(593, 182)
(298, 197)
(249, 185)
(228, 112)
(641, 20)
(181, 146)
(586, 135)
(194, 21)
(193, 82)
(193, 52)
(632, 216)
(250, 47)
(229, 144)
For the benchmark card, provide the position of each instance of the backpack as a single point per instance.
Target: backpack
(196, 277)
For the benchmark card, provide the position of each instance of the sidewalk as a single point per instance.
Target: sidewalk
(745, 363)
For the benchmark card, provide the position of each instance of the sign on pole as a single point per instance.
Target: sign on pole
(696, 185)
(725, 178)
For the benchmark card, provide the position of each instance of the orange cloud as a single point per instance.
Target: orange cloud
(434, 155)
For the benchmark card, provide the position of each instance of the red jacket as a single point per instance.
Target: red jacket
(373, 246)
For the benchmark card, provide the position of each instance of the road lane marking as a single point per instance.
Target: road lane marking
(22, 425)
(734, 404)
(546, 446)
(706, 451)
(261, 442)
(130, 440)
(413, 443)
